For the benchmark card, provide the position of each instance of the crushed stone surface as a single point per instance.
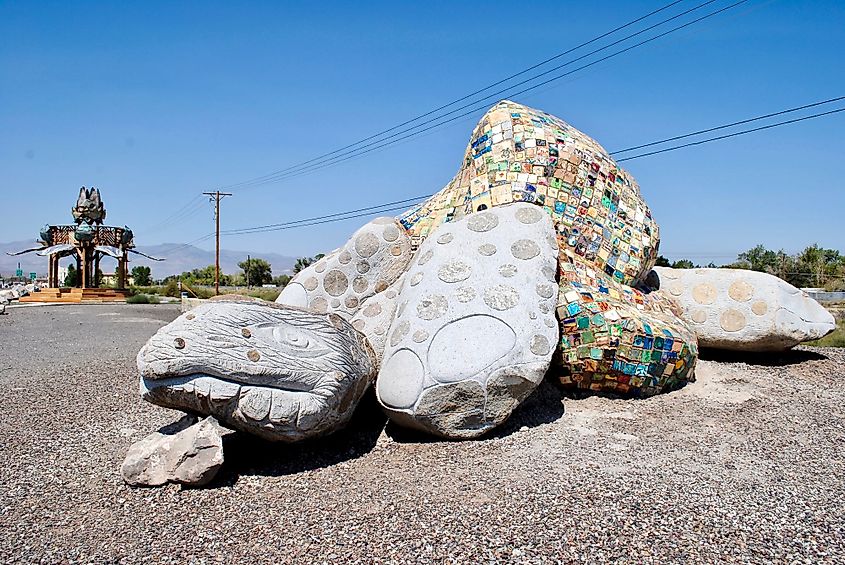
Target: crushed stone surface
(746, 465)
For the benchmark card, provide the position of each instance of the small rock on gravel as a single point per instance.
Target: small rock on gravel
(185, 452)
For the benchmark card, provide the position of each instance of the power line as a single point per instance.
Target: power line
(462, 98)
(340, 216)
(320, 221)
(181, 246)
(180, 212)
(372, 209)
(735, 134)
(725, 126)
(301, 168)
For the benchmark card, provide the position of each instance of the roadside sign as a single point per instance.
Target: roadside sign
(32, 276)
(19, 273)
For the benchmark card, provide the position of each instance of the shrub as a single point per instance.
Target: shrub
(138, 299)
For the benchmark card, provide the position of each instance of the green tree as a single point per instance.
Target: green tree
(141, 275)
(761, 259)
(72, 277)
(281, 280)
(683, 264)
(257, 271)
(662, 262)
(303, 262)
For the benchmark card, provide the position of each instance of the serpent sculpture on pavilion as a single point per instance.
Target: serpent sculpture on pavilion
(535, 260)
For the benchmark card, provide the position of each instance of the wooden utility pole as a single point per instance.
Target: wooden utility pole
(217, 195)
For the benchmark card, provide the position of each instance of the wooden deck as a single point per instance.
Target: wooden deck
(77, 295)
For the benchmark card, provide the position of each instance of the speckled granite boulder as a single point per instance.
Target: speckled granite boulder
(475, 328)
(744, 310)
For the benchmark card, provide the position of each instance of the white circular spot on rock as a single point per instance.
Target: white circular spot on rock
(699, 316)
(400, 332)
(463, 348)
(372, 309)
(335, 303)
(319, 304)
(416, 278)
(545, 290)
(311, 283)
(400, 380)
(344, 258)
(366, 245)
(360, 284)
(445, 238)
(741, 291)
(675, 288)
(528, 215)
(351, 301)
(432, 307)
(454, 271)
(482, 221)
(540, 345)
(704, 293)
(760, 307)
(320, 266)
(501, 297)
(362, 267)
(732, 320)
(335, 282)
(425, 257)
(525, 249)
(465, 294)
(420, 336)
(487, 249)
(507, 270)
(390, 233)
(549, 272)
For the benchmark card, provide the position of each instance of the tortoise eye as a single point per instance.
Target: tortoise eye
(291, 337)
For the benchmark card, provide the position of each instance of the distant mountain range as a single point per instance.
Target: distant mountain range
(178, 258)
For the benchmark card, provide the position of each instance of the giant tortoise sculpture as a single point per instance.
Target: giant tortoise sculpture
(534, 260)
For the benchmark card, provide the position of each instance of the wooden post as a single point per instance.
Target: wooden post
(121, 271)
(217, 195)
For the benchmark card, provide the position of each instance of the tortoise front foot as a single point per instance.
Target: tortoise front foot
(475, 327)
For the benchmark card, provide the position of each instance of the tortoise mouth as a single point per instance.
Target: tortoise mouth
(168, 375)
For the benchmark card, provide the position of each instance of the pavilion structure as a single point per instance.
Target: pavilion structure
(87, 241)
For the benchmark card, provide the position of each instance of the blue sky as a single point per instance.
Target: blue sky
(155, 102)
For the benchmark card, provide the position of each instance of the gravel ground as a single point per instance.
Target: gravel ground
(745, 465)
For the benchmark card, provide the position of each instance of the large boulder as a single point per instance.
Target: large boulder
(186, 452)
(475, 328)
(744, 310)
(280, 372)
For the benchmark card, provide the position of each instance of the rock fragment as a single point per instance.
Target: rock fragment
(186, 453)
